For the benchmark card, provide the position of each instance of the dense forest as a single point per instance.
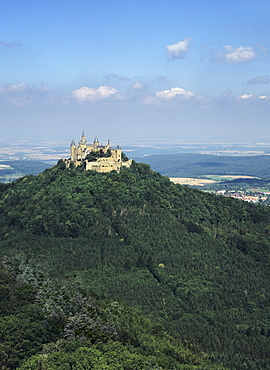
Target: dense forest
(199, 165)
(130, 271)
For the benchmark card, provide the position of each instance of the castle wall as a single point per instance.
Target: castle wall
(107, 165)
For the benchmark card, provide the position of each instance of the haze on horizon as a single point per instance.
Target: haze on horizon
(135, 70)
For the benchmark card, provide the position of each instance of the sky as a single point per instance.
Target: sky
(135, 70)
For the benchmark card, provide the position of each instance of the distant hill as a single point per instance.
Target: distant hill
(195, 263)
(199, 165)
(13, 169)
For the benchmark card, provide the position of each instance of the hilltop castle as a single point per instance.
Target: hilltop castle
(101, 158)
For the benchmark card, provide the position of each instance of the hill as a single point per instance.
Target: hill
(195, 263)
(11, 170)
(199, 165)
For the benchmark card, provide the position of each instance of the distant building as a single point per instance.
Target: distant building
(101, 158)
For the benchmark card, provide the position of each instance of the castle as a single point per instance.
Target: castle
(101, 158)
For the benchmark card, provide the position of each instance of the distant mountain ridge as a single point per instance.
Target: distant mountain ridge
(11, 170)
(196, 165)
(195, 262)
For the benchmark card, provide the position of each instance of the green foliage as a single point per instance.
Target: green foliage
(23, 327)
(48, 323)
(196, 263)
(124, 157)
(95, 154)
(20, 168)
(199, 165)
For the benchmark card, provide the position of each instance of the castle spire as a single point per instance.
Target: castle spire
(83, 140)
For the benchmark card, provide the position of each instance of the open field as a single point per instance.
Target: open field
(212, 179)
(192, 181)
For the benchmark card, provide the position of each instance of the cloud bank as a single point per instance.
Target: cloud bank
(173, 93)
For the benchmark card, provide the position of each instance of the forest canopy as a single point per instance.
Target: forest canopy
(185, 273)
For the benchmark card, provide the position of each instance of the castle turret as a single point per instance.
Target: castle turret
(83, 138)
(73, 151)
(96, 142)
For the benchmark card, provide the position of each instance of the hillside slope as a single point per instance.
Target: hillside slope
(197, 263)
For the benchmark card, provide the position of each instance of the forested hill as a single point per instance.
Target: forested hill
(199, 165)
(195, 263)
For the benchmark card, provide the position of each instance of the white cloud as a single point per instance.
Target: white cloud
(90, 94)
(237, 55)
(173, 93)
(179, 49)
(137, 86)
(253, 97)
(19, 87)
(245, 96)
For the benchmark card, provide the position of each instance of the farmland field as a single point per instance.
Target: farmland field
(211, 179)
(192, 181)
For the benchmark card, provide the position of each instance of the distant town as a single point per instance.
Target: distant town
(247, 196)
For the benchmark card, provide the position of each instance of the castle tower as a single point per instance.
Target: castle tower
(73, 151)
(118, 154)
(83, 139)
(96, 142)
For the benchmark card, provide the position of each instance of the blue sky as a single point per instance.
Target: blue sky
(132, 70)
